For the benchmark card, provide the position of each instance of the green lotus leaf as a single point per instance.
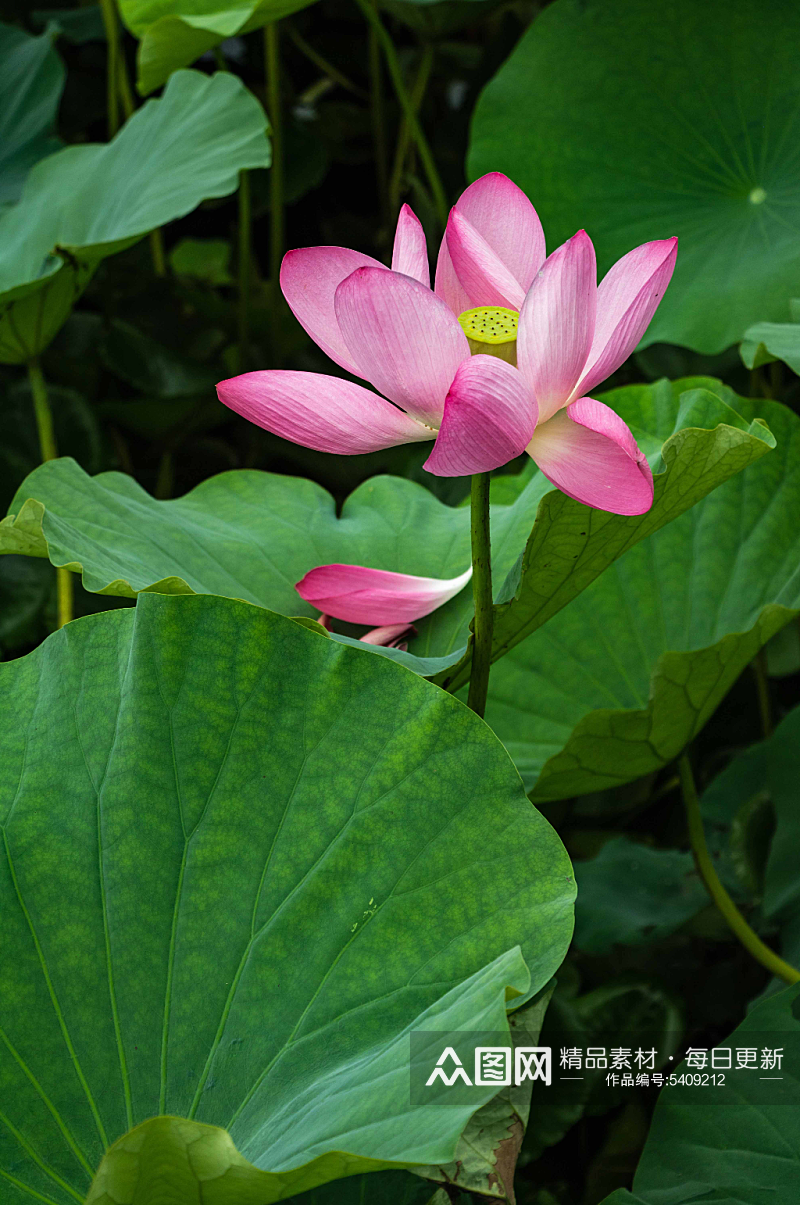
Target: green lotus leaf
(30, 91)
(76, 25)
(782, 652)
(253, 535)
(486, 1155)
(156, 371)
(201, 1166)
(239, 864)
(86, 202)
(768, 341)
(174, 33)
(638, 132)
(624, 677)
(206, 260)
(631, 893)
(26, 587)
(735, 1144)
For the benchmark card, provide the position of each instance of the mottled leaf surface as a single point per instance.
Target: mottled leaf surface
(239, 863)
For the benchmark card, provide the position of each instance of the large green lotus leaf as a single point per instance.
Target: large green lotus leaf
(640, 131)
(252, 535)
(736, 1144)
(30, 90)
(240, 863)
(86, 202)
(624, 677)
(174, 33)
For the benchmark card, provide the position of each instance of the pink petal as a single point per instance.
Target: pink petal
(508, 224)
(506, 220)
(489, 417)
(376, 596)
(389, 636)
(484, 276)
(319, 412)
(556, 323)
(309, 279)
(501, 212)
(448, 286)
(404, 338)
(627, 298)
(589, 453)
(410, 253)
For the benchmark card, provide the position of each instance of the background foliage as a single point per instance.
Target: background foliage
(632, 124)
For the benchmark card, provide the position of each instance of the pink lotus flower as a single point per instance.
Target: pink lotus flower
(376, 596)
(496, 360)
(391, 636)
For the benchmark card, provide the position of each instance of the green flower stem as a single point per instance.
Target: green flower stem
(47, 445)
(112, 65)
(750, 940)
(157, 252)
(481, 593)
(377, 109)
(166, 475)
(759, 664)
(273, 92)
(119, 89)
(325, 67)
(244, 268)
(404, 137)
(44, 415)
(434, 182)
(125, 90)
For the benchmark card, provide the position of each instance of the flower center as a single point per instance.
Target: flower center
(491, 330)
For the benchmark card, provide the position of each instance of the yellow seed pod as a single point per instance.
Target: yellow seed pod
(491, 330)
